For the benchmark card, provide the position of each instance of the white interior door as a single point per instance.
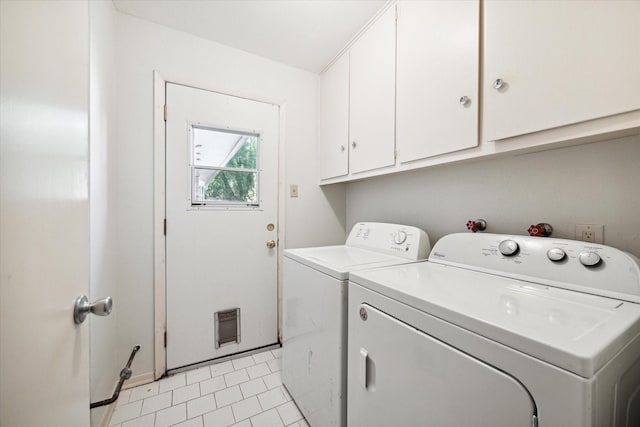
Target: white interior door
(44, 219)
(221, 212)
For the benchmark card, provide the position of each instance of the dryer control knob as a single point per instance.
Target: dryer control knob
(556, 254)
(400, 237)
(508, 247)
(589, 259)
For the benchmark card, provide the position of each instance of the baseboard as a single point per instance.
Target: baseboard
(106, 415)
(130, 383)
(138, 380)
(224, 358)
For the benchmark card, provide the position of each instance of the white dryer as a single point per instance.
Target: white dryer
(497, 330)
(314, 332)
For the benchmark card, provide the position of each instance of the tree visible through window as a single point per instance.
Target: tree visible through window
(234, 185)
(224, 167)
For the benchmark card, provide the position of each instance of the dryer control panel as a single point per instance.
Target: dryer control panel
(394, 239)
(569, 264)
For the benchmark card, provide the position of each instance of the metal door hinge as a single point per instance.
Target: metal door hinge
(165, 339)
(164, 227)
(165, 112)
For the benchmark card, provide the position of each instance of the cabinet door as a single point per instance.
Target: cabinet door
(334, 120)
(437, 87)
(372, 96)
(561, 62)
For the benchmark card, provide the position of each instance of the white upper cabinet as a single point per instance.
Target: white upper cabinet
(334, 120)
(437, 77)
(372, 96)
(554, 63)
(550, 73)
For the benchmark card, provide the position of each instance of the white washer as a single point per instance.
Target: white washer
(314, 312)
(497, 330)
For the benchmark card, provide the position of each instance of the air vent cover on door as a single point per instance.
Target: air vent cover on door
(227, 325)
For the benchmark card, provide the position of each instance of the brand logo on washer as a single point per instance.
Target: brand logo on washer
(439, 255)
(363, 313)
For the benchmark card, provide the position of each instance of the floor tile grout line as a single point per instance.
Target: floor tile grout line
(155, 414)
(281, 419)
(278, 385)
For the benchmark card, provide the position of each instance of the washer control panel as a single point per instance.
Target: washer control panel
(569, 264)
(394, 239)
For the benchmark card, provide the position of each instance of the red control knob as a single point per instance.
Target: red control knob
(540, 230)
(535, 230)
(477, 225)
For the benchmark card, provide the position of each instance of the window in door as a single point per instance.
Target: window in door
(224, 167)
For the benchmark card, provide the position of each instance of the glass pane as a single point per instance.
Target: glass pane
(217, 148)
(213, 186)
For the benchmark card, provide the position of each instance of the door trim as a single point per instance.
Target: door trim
(159, 240)
(159, 272)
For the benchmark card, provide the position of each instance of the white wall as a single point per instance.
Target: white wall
(105, 364)
(594, 184)
(143, 47)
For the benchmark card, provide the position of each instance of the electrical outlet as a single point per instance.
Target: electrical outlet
(293, 190)
(593, 233)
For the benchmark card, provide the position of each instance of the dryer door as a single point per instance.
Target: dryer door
(400, 376)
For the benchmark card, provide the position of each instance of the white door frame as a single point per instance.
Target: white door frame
(159, 240)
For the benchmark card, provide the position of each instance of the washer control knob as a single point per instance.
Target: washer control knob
(589, 259)
(556, 254)
(400, 237)
(508, 247)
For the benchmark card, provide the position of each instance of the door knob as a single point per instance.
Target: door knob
(271, 244)
(82, 307)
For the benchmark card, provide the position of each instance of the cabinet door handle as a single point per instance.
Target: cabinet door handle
(342, 148)
(353, 144)
(464, 100)
(498, 84)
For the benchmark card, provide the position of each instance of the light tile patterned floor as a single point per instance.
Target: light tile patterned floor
(245, 392)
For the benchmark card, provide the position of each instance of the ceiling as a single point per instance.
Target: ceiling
(306, 34)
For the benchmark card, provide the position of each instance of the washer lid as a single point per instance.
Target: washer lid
(338, 261)
(572, 330)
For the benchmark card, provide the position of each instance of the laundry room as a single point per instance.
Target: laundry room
(179, 161)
